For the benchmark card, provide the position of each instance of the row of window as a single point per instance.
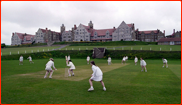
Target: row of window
(81, 40)
(77, 33)
(66, 36)
(80, 30)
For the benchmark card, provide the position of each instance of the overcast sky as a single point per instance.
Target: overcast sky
(29, 16)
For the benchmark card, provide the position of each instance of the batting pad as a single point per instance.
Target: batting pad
(66, 72)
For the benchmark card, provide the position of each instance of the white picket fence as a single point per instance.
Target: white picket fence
(32, 51)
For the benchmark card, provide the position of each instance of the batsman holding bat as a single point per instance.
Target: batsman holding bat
(72, 66)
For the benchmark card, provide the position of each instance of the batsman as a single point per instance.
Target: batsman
(72, 66)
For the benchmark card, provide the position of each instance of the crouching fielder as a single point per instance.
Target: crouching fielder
(97, 75)
(30, 59)
(143, 64)
(48, 68)
(72, 67)
(165, 62)
(123, 60)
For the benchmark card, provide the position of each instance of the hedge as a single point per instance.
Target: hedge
(110, 43)
(51, 54)
(147, 54)
(116, 54)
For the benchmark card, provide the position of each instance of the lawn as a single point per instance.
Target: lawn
(21, 50)
(130, 47)
(24, 84)
(6, 51)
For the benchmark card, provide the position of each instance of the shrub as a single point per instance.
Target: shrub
(116, 54)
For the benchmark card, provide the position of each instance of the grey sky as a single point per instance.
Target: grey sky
(29, 16)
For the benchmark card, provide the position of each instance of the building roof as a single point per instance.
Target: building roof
(149, 31)
(100, 32)
(44, 31)
(169, 39)
(129, 25)
(22, 36)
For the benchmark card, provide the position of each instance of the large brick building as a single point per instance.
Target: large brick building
(45, 35)
(21, 38)
(174, 34)
(173, 39)
(67, 35)
(125, 32)
(88, 33)
(149, 36)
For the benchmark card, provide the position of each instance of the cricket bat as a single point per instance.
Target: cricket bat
(66, 58)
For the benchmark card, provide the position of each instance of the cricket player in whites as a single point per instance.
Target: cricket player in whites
(124, 59)
(72, 66)
(136, 60)
(165, 62)
(48, 68)
(143, 64)
(97, 75)
(88, 59)
(109, 60)
(30, 59)
(21, 60)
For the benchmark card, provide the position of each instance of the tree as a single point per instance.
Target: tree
(3, 45)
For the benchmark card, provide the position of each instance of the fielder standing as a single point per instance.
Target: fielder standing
(88, 59)
(97, 75)
(136, 60)
(21, 60)
(143, 64)
(48, 68)
(109, 60)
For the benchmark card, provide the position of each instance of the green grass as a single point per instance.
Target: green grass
(6, 51)
(24, 84)
(129, 47)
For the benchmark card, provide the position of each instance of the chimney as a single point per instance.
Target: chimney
(75, 27)
(12, 34)
(46, 29)
(114, 29)
(164, 32)
(173, 30)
